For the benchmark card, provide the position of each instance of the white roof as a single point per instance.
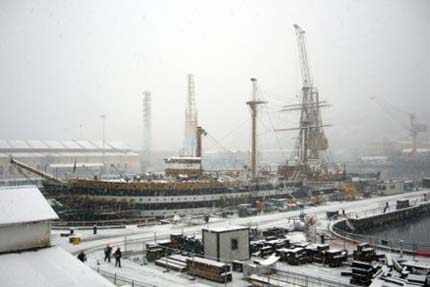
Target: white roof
(225, 228)
(269, 261)
(78, 164)
(409, 150)
(19, 144)
(49, 267)
(24, 204)
(207, 261)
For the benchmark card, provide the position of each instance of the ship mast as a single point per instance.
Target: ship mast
(253, 106)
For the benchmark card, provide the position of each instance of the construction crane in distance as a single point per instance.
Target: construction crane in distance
(312, 139)
(413, 128)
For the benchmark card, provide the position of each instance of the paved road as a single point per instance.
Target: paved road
(153, 275)
(116, 237)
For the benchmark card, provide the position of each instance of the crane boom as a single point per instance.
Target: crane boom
(303, 56)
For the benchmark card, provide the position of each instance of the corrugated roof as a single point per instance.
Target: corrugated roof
(54, 144)
(86, 145)
(119, 145)
(18, 144)
(36, 144)
(70, 144)
(60, 145)
(99, 144)
(24, 204)
(4, 144)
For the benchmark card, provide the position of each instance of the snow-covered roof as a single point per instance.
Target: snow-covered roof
(78, 164)
(419, 150)
(49, 267)
(24, 204)
(207, 261)
(269, 261)
(225, 228)
(60, 145)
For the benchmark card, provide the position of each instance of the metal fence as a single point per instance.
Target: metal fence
(121, 281)
(302, 280)
(417, 248)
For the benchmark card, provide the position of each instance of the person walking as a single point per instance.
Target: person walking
(118, 256)
(108, 252)
(82, 256)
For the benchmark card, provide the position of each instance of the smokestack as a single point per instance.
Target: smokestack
(190, 119)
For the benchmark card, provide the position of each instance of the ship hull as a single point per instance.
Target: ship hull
(96, 201)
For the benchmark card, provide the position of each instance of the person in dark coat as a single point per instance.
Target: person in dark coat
(108, 252)
(118, 256)
(82, 256)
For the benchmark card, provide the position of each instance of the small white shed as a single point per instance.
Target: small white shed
(226, 243)
(25, 218)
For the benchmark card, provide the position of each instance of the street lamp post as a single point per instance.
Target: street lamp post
(103, 117)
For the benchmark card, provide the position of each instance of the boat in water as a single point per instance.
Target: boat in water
(102, 199)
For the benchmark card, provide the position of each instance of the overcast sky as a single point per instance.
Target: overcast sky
(64, 63)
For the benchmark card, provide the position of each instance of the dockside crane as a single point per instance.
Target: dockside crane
(312, 140)
(413, 127)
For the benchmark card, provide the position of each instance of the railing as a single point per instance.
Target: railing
(110, 223)
(303, 280)
(380, 210)
(414, 248)
(121, 281)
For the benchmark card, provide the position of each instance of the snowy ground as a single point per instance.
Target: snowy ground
(133, 238)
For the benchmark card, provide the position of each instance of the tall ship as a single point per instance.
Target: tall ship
(184, 188)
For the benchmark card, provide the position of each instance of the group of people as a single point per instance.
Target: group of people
(108, 252)
(117, 255)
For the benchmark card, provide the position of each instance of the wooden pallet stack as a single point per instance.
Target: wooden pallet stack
(209, 269)
(364, 253)
(362, 273)
(335, 257)
(294, 256)
(174, 262)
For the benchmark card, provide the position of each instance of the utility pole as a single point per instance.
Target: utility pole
(103, 117)
(146, 137)
(253, 106)
(414, 134)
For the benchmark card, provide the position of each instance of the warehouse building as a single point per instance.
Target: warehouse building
(226, 244)
(62, 158)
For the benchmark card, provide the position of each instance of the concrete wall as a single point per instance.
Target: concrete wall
(242, 253)
(376, 221)
(218, 245)
(24, 236)
(210, 245)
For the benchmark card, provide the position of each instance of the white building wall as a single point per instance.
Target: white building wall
(241, 253)
(225, 252)
(210, 245)
(24, 236)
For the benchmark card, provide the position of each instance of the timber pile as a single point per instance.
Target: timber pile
(364, 253)
(362, 273)
(209, 269)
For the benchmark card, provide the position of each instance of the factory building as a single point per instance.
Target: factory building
(62, 158)
(226, 243)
